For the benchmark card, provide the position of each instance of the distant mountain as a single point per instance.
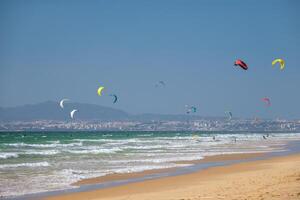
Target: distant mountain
(50, 110)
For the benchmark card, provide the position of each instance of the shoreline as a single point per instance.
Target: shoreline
(119, 180)
(271, 178)
(133, 175)
(235, 157)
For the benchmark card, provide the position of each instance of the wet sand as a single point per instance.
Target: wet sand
(273, 178)
(126, 176)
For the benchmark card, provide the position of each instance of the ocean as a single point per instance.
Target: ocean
(33, 162)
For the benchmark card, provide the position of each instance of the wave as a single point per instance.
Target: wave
(37, 164)
(132, 169)
(88, 140)
(145, 147)
(75, 175)
(7, 155)
(94, 151)
(21, 144)
(79, 174)
(54, 141)
(145, 135)
(159, 160)
(49, 152)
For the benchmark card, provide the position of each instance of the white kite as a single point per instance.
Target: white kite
(61, 103)
(72, 113)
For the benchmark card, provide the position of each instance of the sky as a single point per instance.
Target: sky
(56, 49)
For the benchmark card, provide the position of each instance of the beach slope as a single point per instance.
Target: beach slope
(274, 178)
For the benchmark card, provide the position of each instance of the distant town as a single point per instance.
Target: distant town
(154, 125)
(48, 116)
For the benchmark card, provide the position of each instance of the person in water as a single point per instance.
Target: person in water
(264, 137)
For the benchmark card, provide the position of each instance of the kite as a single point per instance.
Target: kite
(115, 97)
(241, 63)
(193, 109)
(100, 89)
(267, 101)
(72, 113)
(190, 109)
(160, 83)
(280, 61)
(61, 103)
(229, 113)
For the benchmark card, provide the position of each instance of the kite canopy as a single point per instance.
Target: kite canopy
(160, 83)
(267, 101)
(194, 109)
(229, 114)
(115, 97)
(99, 91)
(241, 63)
(280, 61)
(61, 103)
(72, 113)
(190, 109)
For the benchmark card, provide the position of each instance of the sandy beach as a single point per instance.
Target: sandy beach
(126, 176)
(274, 178)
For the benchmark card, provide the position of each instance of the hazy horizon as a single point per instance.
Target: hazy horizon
(52, 50)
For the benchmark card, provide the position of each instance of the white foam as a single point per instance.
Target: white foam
(54, 141)
(37, 164)
(6, 155)
(160, 160)
(74, 175)
(93, 151)
(88, 140)
(145, 135)
(118, 156)
(22, 144)
(47, 152)
(132, 169)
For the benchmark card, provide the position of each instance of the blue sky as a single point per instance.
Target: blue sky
(65, 49)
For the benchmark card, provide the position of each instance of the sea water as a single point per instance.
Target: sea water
(32, 162)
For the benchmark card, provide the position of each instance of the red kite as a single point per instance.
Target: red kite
(241, 63)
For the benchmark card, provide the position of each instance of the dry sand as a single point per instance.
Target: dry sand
(275, 178)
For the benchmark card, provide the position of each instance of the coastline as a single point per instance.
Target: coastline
(272, 178)
(119, 180)
(133, 175)
(206, 162)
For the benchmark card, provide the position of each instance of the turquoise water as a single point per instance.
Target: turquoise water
(38, 162)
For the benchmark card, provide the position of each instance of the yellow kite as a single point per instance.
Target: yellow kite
(100, 90)
(281, 62)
